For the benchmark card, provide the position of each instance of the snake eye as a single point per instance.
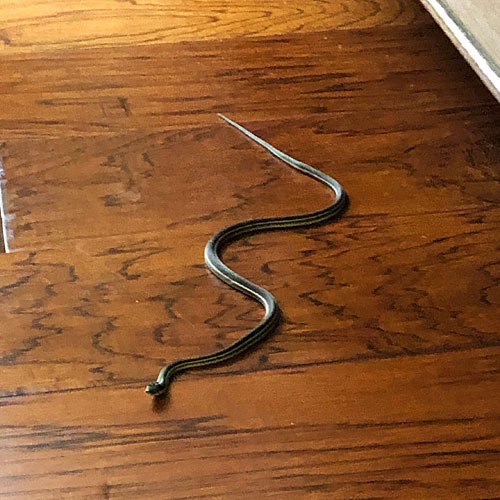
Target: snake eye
(155, 388)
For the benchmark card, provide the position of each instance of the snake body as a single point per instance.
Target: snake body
(223, 272)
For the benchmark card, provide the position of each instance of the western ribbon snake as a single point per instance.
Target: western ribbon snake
(217, 267)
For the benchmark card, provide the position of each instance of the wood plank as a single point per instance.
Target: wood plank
(321, 110)
(116, 309)
(370, 429)
(37, 26)
(164, 87)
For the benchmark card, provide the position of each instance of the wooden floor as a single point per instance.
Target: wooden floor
(382, 381)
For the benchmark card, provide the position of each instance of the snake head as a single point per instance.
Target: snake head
(155, 389)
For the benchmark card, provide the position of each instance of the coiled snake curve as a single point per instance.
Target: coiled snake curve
(217, 267)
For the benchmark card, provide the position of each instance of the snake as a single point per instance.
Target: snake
(214, 263)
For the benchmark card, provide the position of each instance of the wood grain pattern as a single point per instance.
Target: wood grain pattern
(34, 25)
(388, 288)
(176, 86)
(381, 381)
(384, 429)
